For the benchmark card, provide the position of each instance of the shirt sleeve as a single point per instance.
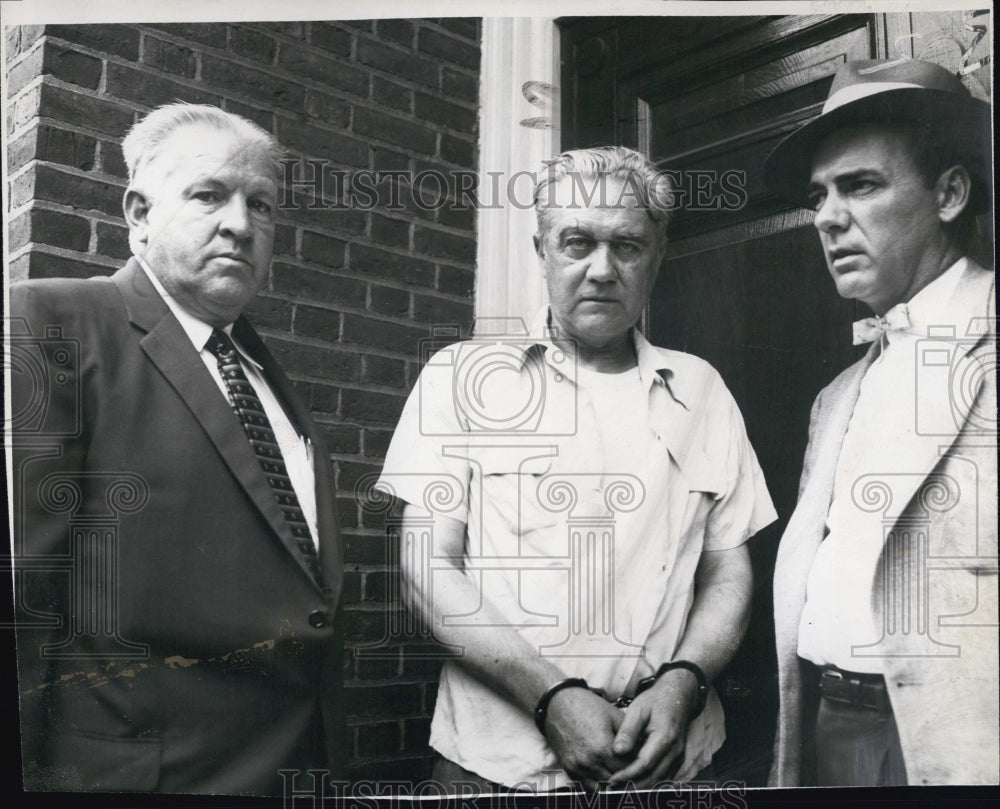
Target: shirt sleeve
(745, 507)
(421, 467)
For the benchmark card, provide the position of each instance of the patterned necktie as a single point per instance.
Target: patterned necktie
(870, 329)
(250, 412)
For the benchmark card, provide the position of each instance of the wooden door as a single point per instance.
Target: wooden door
(744, 284)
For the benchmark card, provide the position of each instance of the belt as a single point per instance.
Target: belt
(855, 688)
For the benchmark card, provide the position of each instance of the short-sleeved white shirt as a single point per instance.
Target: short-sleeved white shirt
(591, 560)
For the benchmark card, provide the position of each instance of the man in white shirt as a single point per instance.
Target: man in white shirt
(577, 503)
(885, 582)
(175, 534)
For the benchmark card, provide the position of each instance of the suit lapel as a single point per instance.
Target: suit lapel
(169, 349)
(948, 383)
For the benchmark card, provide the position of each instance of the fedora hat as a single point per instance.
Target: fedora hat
(907, 92)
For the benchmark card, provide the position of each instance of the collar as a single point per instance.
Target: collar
(198, 331)
(655, 366)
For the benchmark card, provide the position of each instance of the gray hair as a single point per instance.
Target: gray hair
(144, 140)
(646, 185)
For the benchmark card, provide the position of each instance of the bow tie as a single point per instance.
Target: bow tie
(869, 329)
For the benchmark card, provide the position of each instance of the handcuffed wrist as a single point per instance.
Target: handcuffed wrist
(695, 669)
(542, 709)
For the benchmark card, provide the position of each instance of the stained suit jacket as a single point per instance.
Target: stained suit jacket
(941, 669)
(171, 637)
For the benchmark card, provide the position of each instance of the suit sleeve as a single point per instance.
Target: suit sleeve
(48, 438)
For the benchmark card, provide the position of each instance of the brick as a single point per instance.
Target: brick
(416, 734)
(460, 86)
(324, 107)
(445, 246)
(25, 71)
(347, 507)
(332, 73)
(379, 739)
(376, 586)
(458, 150)
(390, 232)
(448, 48)
(271, 313)
(360, 25)
(317, 285)
(456, 281)
(55, 145)
(62, 104)
(323, 143)
(397, 63)
(324, 398)
(284, 240)
(51, 228)
(48, 265)
(312, 321)
(382, 263)
(383, 371)
(20, 38)
(415, 771)
(446, 113)
(263, 118)
(112, 159)
(344, 439)
(151, 90)
(370, 407)
(228, 75)
(330, 38)
(389, 160)
(252, 44)
(392, 95)
(423, 661)
(382, 667)
(294, 28)
(356, 476)
(321, 249)
(398, 700)
(310, 361)
(458, 216)
(398, 31)
(119, 40)
(439, 311)
(112, 241)
(414, 136)
(169, 57)
(376, 442)
(374, 333)
(367, 550)
(213, 34)
(467, 27)
(350, 590)
(365, 625)
(430, 697)
(389, 301)
(83, 193)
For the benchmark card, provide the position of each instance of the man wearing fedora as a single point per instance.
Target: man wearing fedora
(885, 584)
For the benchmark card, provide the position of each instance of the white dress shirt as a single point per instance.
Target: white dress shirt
(296, 450)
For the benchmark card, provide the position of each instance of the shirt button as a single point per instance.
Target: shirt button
(317, 618)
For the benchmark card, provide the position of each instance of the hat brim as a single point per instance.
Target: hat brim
(961, 120)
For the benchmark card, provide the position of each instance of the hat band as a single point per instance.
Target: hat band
(853, 92)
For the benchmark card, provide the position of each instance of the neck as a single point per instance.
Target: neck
(612, 357)
(934, 268)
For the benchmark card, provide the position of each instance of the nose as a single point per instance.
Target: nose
(235, 220)
(600, 267)
(832, 214)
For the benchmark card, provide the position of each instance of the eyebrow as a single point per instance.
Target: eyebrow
(847, 176)
(619, 235)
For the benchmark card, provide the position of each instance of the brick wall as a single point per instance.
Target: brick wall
(352, 290)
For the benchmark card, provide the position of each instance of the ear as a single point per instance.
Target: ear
(136, 208)
(953, 188)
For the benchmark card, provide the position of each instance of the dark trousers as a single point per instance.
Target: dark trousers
(857, 746)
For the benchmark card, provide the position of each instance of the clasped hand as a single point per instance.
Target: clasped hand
(598, 744)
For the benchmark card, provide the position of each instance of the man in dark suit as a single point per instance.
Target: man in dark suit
(885, 584)
(178, 562)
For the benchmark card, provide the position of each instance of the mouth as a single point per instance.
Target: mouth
(842, 256)
(234, 257)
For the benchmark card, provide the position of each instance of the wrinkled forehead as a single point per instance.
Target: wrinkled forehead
(866, 146)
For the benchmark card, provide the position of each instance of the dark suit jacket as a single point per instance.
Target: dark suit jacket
(171, 637)
(941, 666)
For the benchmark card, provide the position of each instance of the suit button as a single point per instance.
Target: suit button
(317, 618)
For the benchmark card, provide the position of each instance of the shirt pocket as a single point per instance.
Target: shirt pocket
(510, 493)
